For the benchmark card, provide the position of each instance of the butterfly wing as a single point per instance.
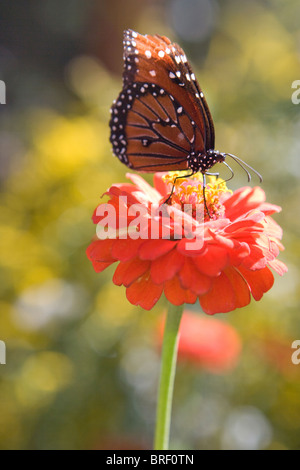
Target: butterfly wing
(161, 115)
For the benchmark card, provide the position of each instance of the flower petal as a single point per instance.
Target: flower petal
(152, 249)
(229, 291)
(257, 259)
(249, 223)
(220, 298)
(191, 278)
(190, 246)
(129, 271)
(128, 191)
(269, 209)
(272, 229)
(160, 185)
(99, 266)
(165, 267)
(144, 292)
(144, 187)
(126, 249)
(239, 253)
(237, 250)
(259, 281)
(239, 286)
(243, 200)
(176, 294)
(100, 250)
(278, 266)
(212, 261)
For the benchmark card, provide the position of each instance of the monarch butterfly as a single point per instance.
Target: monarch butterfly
(161, 120)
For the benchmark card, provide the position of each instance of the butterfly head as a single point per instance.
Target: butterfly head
(203, 161)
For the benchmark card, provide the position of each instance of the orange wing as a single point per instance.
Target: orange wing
(160, 116)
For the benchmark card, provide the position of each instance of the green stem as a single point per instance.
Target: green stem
(167, 376)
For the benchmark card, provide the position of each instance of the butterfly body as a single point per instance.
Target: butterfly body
(160, 120)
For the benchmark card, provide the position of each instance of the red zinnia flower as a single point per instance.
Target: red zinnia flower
(238, 243)
(206, 342)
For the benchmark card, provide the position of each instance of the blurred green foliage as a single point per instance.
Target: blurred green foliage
(82, 363)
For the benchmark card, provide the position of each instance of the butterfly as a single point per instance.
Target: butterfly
(160, 120)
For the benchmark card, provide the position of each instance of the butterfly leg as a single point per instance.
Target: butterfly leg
(173, 187)
(204, 197)
(204, 186)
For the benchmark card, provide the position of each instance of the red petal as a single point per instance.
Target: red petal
(213, 261)
(278, 266)
(243, 200)
(249, 223)
(191, 247)
(127, 249)
(259, 281)
(239, 253)
(240, 287)
(160, 185)
(126, 190)
(269, 209)
(191, 278)
(176, 294)
(165, 267)
(272, 229)
(141, 185)
(129, 271)
(274, 248)
(152, 249)
(222, 241)
(144, 292)
(99, 266)
(220, 298)
(100, 250)
(258, 258)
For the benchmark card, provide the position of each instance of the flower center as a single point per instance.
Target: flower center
(189, 190)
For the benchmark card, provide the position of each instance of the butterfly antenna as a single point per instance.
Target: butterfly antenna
(231, 170)
(245, 167)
